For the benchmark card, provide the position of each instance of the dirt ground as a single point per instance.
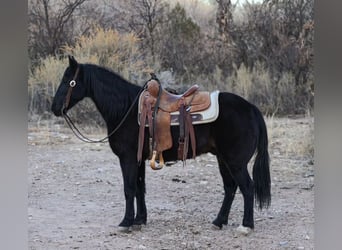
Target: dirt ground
(76, 197)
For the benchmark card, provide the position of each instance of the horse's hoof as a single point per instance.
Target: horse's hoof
(215, 227)
(243, 230)
(218, 223)
(122, 229)
(138, 227)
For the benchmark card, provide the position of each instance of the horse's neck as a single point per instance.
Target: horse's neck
(113, 97)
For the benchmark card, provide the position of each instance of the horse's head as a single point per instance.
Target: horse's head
(71, 90)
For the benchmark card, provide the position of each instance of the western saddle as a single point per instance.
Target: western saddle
(155, 108)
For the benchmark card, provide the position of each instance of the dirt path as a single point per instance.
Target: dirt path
(76, 197)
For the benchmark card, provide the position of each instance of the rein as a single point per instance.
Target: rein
(72, 125)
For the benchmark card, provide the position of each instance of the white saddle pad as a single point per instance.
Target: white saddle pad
(205, 116)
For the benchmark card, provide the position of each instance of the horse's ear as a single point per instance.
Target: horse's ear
(72, 62)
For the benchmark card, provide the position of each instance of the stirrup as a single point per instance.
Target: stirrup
(153, 161)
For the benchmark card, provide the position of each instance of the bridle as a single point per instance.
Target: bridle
(72, 84)
(72, 125)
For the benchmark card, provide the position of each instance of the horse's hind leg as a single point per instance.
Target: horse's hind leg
(230, 187)
(245, 183)
(141, 215)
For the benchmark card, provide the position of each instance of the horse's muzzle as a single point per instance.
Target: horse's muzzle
(58, 111)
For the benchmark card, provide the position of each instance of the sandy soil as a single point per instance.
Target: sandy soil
(76, 197)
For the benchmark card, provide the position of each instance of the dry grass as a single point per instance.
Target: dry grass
(43, 82)
(297, 142)
(273, 97)
(120, 52)
(108, 48)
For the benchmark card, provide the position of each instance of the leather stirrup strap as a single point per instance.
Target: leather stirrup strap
(189, 132)
(150, 128)
(141, 133)
(186, 139)
(181, 139)
(146, 112)
(155, 113)
(192, 133)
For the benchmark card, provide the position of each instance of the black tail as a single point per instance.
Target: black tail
(261, 168)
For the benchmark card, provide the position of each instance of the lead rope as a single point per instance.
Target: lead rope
(84, 138)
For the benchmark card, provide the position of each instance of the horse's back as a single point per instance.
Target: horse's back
(233, 103)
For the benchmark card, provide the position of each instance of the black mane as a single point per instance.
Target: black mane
(111, 93)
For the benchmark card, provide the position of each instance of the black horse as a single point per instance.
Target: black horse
(235, 136)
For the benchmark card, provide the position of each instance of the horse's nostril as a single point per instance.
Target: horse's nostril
(57, 113)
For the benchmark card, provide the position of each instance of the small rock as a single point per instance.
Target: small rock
(178, 180)
(195, 231)
(283, 243)
(141, 247)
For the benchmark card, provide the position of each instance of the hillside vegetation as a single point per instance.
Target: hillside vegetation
(262, 51)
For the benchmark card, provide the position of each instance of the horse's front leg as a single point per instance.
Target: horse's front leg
(141, 215)
(129, 168)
